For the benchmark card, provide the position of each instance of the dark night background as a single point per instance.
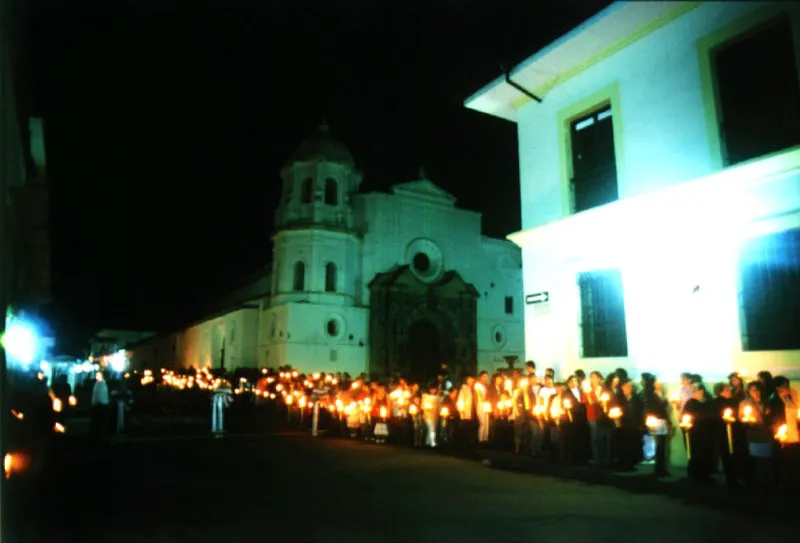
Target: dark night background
(166, 128)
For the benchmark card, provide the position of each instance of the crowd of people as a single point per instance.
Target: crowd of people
(750, 429)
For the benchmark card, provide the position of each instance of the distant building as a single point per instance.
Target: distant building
(105, 342)
(660, 185)
(374, 282)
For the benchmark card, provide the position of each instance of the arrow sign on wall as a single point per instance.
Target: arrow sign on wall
(538, 298)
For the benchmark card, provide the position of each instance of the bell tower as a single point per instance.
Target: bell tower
(315, 246)
(317, 183)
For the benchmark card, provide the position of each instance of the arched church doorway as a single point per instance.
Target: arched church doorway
(423, 352)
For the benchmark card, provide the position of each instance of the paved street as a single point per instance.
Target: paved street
(292, 488)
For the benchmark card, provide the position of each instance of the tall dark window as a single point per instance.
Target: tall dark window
(307, 191)
(757, 89)
(769, 295)
(299, 283)
(603, 314)
(330, 277)
(331, 192)
(509, 305)
(594, 166)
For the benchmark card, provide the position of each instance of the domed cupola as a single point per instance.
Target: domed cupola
(322, 147)
(318, 180)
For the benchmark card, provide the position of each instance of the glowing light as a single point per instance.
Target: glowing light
(780, 435)
(444, 412)
(59, 428)
(383, 412)
(727, 415)
(73, 401)
(57, 405)
(21, 341)
(8, 464)
(686, 421)
(18, 414)
(118, 361)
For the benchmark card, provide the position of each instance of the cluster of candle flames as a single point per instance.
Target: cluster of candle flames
(19, 461)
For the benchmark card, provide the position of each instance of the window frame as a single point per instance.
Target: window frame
(710, 42)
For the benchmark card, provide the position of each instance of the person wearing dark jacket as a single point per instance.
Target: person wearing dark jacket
(629, 433)
(729, 445)
(701, 434)
(655, 406)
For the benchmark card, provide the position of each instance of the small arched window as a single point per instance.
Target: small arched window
(331, 192)
(330, 277)
(307, 191)
(299, 283)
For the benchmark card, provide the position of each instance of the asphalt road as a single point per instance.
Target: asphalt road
(292, 488)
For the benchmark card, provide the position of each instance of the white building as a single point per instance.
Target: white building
(660, 185)
(364, 282)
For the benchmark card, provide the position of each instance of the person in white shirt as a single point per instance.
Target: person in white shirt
(99, 413)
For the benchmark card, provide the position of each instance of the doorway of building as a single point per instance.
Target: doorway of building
(423, 352)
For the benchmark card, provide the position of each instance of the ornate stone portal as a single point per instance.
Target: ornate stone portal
(415, 327)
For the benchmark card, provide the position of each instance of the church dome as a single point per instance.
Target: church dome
(322, 147)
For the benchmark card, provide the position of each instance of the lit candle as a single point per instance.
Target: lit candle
(727, 416)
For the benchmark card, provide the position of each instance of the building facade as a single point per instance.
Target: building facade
(378, 282)
(660, 189)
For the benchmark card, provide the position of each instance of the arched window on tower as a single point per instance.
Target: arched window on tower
(330, 277)
(299, 283)
(331, 192)
(307, 191)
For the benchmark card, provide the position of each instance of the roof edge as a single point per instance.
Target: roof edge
(600, 15)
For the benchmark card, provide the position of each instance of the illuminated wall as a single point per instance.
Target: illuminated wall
(677, 229)
(314, 337)
(200, 345)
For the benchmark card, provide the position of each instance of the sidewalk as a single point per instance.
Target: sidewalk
(676, 486)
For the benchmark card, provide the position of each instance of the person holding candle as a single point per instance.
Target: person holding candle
(655, 405)
(430, 413)
(701, 433)
(546, 391)
(599, 429)
(631, 426)
(467, 405)
(727, 429)
(520, 411)
(790, 444)
(482, 398)
(756, 415)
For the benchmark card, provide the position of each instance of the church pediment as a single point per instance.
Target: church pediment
(425, 190)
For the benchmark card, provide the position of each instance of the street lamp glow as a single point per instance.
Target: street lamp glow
(118, 361)
(21, 342)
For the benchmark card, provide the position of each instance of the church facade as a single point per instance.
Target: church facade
(378, 282)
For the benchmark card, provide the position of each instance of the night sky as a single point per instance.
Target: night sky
(166, 129)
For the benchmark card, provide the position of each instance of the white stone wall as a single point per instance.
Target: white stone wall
(315, 248)
(200, 345)
(297, 334)
(496, 273)
(678, 226)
